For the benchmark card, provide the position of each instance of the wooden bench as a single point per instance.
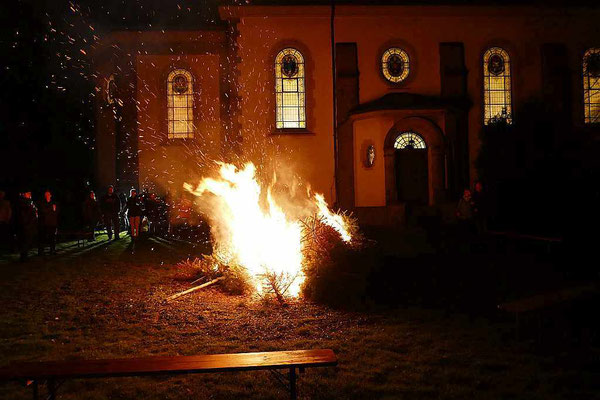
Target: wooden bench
(548, 241)
(55, 372)
(542, 301)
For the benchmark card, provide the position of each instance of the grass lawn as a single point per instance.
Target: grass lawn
(105, 302)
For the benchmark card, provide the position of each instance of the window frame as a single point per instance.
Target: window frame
(278, 77)
(410, 134)
(588, 87)
(409, 57)
(190, 135)
(507, 76)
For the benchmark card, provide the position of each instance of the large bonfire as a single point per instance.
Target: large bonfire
(264, 237)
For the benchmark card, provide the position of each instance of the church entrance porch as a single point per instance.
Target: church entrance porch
(403, 160)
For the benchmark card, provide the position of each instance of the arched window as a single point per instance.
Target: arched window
(395, 64)
(496, 85)
(180, 104)
(591, 86)
(290, 90)
(409, 140)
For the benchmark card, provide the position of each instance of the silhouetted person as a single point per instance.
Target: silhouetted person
(144, 196)
(134, 213)
(48, 223)
(123, 220)
(5, 217)
(464, 214)
(152, 212)
(479, 207)
(464, 210)
(167, 211)
(26, 221)
(111, 207)
(163, 216)
(91, 214)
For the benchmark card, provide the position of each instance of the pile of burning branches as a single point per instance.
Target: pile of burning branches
(319, 238)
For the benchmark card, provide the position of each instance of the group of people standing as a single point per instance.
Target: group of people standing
(110, 209)
(30, 220)
(107, 210)
(471, 209)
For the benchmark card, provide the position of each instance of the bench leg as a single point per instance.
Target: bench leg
(293, 393)
(36, 393)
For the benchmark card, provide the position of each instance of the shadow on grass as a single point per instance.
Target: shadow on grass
(470, 278)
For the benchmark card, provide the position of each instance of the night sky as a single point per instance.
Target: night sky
(47, 117)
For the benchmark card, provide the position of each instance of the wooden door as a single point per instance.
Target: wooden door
(412, 176)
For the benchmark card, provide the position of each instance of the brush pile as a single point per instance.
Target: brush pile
(318, 241)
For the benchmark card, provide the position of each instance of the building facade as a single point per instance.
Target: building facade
(399, 124)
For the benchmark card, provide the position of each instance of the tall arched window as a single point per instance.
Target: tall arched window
(591, 86)
(180, 104)
(290, 89)
(496, 85)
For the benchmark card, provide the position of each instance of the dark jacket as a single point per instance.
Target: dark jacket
(110, 204)
(27, 217)
(134, 207)
(91, 211)
(479, 206)
(48, 213)
(5, 211)
(151, 208)
(464, 210)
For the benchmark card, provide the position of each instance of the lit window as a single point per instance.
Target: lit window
(591, 86)
(409, 140)
(496, 86)
(395, 65)
(290, 90)
(180, 105)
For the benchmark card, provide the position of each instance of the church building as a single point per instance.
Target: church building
(376, 107)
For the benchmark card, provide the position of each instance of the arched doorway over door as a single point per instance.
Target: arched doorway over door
(432, 138)
(411, 168)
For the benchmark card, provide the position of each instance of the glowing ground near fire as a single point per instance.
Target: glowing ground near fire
(253, 229)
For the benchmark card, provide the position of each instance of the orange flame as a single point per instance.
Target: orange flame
(264, 240)
(333, 220)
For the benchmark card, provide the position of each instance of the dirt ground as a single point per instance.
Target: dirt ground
(102, 301)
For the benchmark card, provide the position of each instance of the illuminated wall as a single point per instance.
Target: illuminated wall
(308, 152)
(236, 67)
(168, 163)
(520, 30)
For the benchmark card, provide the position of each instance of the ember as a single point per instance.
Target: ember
(253, 230)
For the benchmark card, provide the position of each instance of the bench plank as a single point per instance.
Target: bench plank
(549, 299)
(168, 365)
